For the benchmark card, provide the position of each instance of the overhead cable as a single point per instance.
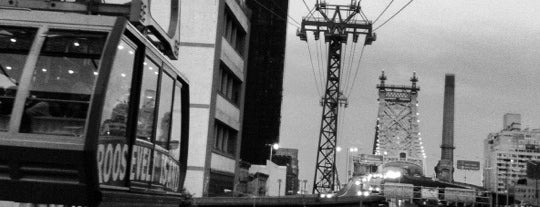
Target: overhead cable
(356, 72)
(313, 71)
(323, 67)
(387, 6)
(343, 57)
(351, 66)
(285, 12)
(277, 15)
(410, 1)
(310, 11)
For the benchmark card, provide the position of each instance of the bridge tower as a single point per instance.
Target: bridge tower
(397, 135)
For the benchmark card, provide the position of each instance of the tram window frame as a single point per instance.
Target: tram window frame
(115, 131)
(40, 102)
(148, 59)
(160, 101)
(177, 132)
(8, 93)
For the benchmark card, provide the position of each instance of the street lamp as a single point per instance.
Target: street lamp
(279, 187)
(351, 150)
(274, 146)
(304, 191)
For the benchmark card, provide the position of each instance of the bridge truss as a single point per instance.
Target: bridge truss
(397, 135)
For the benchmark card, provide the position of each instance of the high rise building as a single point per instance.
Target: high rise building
(214, 48)
(264, 83)
(506, 154)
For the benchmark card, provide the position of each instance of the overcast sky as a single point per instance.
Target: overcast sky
(492, 46)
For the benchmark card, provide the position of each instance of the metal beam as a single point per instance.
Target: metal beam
(336, 29)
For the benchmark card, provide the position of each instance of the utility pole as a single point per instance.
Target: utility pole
(337, 22)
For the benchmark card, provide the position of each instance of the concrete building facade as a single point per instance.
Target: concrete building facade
(506, 154)
(275, 184)
(289, 157)
(526, 191)
(214, 46)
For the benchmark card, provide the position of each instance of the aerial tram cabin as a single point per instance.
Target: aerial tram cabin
(92, 112)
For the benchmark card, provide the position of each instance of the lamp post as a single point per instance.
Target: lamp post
(304, 191)
(279, 187)
(274, 146)
(349, 152)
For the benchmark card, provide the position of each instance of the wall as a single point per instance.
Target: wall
(199, 20)
(275, 173)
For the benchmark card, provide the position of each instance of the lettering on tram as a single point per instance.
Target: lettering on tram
(112, 163)
(154, 158)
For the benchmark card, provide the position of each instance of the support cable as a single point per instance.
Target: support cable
(324, 62)
(350, 62)
(313, 71)
(323, 55)
(410, 1)
(310, 11)
(285, 12)
(349, 70)
(320, 69)
(356, 72)
(363, 15)
(343, 62)
(387, 6)
(277, 15)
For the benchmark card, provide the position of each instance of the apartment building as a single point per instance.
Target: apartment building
(506, 154)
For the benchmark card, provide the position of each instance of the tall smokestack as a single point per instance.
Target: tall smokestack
(445, 168)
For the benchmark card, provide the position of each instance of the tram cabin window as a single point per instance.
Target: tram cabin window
(147, 101)
(116, 106)
(174, 144)
(164, 111)
(15, 44)
(62, 83)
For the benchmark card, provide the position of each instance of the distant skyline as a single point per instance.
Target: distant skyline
(491, 47)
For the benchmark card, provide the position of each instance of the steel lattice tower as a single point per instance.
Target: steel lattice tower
(397, 135)
(336, 27)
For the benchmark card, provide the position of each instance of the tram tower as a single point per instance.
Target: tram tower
(397, 135)
(336, 22)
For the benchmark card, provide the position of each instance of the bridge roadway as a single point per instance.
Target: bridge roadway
(306, 200)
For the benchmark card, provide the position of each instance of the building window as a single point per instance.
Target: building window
(229, 85)
(225, 138)
(220, 184)
(233, 32)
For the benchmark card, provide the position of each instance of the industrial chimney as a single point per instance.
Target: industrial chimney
(445, 168)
